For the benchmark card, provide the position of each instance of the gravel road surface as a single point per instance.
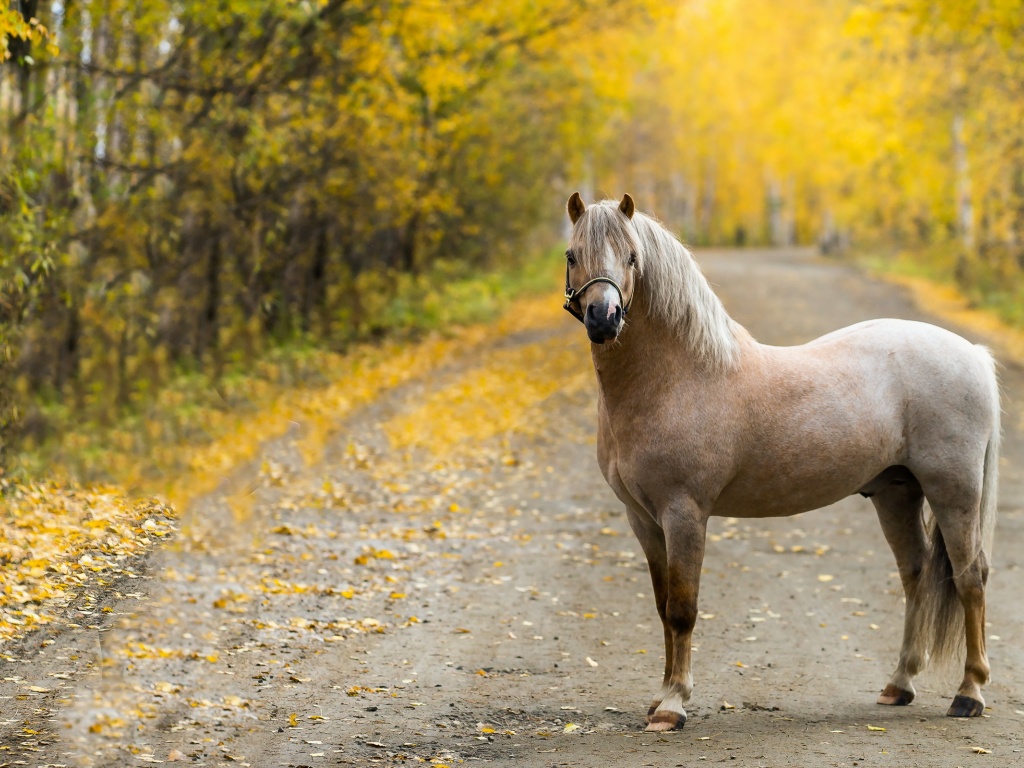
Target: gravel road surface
(453, 583)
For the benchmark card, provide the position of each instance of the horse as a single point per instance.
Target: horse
(696, 418)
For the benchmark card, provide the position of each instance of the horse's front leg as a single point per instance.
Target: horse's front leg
(652, 540)
(684, 528)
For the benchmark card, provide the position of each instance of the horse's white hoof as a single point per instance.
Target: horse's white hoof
(667, 721)
(894, 696)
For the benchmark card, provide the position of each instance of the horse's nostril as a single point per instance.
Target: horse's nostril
(603, 315)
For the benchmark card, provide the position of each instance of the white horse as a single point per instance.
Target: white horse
(695, 418)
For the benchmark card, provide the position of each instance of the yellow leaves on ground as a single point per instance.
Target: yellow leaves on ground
(54, 540)
(233, 602)
(499, 397)
(357, 690)
(372, 553)
(359, 378)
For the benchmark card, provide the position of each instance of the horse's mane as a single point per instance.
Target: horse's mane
(673, 286)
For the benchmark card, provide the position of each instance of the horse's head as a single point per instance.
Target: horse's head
(600, 265)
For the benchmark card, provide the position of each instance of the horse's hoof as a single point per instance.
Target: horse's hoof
(895, 697)
(965, 706)
(666, 721)
(651, 710)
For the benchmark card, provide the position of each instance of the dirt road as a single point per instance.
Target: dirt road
(454, 583)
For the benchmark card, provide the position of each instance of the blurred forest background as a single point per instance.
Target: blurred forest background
(192, 191)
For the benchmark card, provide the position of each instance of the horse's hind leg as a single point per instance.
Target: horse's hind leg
(900, 511)
(961, 536)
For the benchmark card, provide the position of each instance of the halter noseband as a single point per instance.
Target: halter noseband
(572, 295)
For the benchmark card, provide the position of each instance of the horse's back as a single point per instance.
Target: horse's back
(926, 357)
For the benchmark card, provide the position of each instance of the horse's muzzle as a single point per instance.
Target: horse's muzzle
(602, 322)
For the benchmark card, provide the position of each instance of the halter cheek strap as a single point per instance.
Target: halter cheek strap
(572, 295)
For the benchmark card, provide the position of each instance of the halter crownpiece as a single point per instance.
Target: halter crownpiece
(573, 295)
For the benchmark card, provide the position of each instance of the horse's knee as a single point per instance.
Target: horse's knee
(681, 615)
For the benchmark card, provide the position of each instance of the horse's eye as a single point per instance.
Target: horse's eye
(632, 259)
(570, 258)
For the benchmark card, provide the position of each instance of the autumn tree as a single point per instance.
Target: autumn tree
(184, 185)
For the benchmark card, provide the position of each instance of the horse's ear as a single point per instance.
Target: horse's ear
(626, 206)
(575, 207)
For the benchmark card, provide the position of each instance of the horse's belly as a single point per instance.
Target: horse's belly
(791, 492)
(781, 505)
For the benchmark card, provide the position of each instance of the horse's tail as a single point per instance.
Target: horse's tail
(941, 604)
(990, 480)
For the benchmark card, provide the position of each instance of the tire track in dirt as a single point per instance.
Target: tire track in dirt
(515, 606)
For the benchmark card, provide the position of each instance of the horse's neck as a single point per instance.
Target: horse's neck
(639, 365)
(652, 359)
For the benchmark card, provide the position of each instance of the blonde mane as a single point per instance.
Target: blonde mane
(669, 278)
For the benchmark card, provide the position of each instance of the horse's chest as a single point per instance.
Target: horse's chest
(660, 452)
(642, 472)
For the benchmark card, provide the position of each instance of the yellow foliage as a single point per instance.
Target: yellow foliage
(767, 121)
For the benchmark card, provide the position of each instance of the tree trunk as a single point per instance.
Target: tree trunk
(964, 202)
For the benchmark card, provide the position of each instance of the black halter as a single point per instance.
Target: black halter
(572, 295)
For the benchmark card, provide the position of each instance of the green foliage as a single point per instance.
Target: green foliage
(447, 296)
